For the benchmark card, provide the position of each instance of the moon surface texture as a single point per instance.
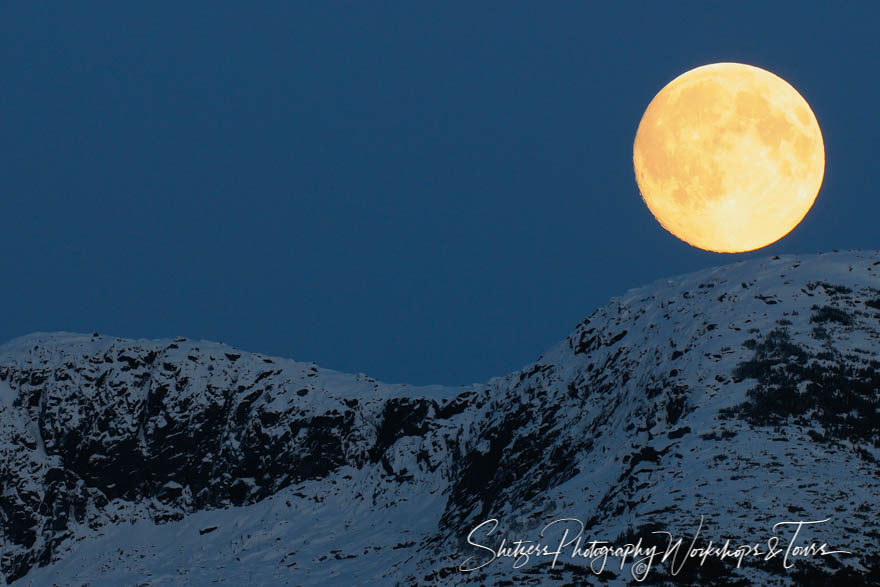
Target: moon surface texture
(729, 157)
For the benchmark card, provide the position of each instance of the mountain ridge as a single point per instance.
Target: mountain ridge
(620, 424)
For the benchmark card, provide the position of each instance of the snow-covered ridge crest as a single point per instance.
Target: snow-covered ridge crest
(743, 393)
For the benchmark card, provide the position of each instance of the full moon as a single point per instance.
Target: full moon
(729, 157)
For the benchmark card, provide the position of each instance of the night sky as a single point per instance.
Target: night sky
(425, 192)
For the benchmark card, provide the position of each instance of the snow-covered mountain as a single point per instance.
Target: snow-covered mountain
(746, 395)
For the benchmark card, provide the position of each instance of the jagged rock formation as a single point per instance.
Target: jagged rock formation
(748, 394)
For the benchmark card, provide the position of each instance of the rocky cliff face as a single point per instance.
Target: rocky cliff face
(747, 394)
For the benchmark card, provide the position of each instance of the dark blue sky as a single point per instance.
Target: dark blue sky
(426, 192)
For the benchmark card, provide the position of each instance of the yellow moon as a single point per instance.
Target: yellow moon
(729, 157)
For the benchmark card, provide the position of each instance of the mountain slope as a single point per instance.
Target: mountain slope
(747, 394)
